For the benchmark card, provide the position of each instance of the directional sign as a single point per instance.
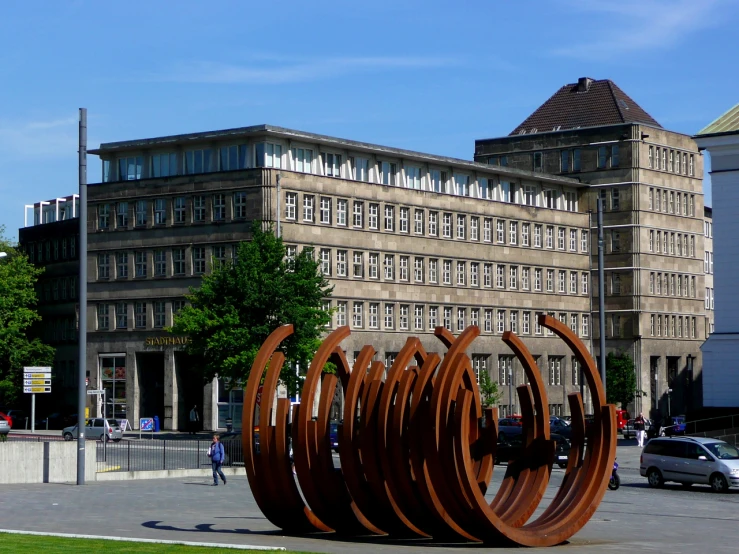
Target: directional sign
(29, 382)
(37, 375)
(92, 392)
(146, 424)
(36, 389)
(34, 369)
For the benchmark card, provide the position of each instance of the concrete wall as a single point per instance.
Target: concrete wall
(44, 462)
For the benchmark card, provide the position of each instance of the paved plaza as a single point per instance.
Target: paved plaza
(632, 519)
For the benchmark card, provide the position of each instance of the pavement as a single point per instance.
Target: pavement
(632, 519)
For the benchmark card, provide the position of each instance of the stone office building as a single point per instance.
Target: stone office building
(650, 180)
(409, 241)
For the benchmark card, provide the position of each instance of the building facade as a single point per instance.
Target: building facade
(650, 181)
(409, 241)
(710, 304)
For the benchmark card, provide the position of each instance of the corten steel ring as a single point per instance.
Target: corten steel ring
(417, 447)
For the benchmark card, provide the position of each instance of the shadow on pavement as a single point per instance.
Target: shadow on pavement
(206, 528)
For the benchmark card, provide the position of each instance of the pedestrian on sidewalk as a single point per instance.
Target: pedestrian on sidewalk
(216, 455)
(193, 420)
(639, 427)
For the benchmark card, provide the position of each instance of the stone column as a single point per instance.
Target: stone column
(171, 393)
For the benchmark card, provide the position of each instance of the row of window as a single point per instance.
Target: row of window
(175, 262)
(178, 210)
(58, 329)
(667, 284)
(672, 202)
(146, 315)
(665, 159)
(709, 298)
(336, 263)
(509, 372)
(674, 244)
(417, 221)
(52, 250)
(419, 317)
(672, 326)
(570, 160)
(60, 288)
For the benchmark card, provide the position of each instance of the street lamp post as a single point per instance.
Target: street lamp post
(510, 392)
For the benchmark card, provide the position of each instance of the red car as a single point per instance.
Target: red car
(6, 418)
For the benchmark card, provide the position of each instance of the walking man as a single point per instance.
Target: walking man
(193, 420)
(216, 455)
(639, 428)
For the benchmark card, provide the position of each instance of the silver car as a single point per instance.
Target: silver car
(96, 428)
(4, 426)
(690, 460)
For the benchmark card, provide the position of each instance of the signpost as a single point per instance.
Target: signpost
(98, 392)
(36, 380)
(146, 424)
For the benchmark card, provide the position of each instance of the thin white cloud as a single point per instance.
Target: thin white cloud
(633, 25)
(277, 71)
(52, 138)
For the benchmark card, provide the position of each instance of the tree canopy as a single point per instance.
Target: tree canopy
(620, 379)
(489, 391)
(17, 315)
(241, 302)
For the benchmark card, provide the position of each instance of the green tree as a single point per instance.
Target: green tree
(620, 379)
(17, 315)
(489, 390)
(239, 304)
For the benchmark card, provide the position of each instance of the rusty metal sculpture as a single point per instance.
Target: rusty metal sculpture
(417, 449)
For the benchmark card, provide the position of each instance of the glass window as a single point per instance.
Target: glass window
(178, 261)
(140, 264)
(129, 169)
(121, 315)
(180, 209)
(160, 263)
(412, 177)
(198, 209)
(198, 260)
(164, 165)
(160, 211)
(103, 218)
(122, 265)
(341, 209)
(331, 164)
(240, 205)
(268, 155)
(140, 315)
(160, 314)
(198, 161)
(122, 215)
(219, 207)
(103, 318)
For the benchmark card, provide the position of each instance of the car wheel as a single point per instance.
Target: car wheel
(103, 438)
(68, 436)
(655, 479)
(718, 483)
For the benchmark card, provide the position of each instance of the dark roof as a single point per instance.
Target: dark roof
(587, 103)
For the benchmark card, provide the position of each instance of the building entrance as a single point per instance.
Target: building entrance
(150, 367)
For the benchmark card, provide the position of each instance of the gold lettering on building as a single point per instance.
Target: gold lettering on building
(166, 341)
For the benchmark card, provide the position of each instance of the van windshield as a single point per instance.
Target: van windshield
(723, 451)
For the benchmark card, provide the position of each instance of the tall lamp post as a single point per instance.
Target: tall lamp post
(510, 391)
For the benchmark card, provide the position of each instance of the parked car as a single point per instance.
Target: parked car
(96, 428)
(6, 417)
(559, 426)
(672, 426)
(4, 425)
(18, 418)
(690, 460)
(630, 433)
(508, 427)
(509, 448)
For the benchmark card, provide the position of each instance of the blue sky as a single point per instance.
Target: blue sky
(425, 75)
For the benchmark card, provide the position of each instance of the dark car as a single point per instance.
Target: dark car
(18, 418)
(509, 448)
(560, 426)
(673, 426)
(508, 427)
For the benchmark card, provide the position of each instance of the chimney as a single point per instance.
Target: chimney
(583, 84)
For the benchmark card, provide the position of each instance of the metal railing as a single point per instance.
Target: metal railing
(156, 455)
(711, 427)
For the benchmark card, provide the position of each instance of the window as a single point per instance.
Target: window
(573, 323)
(537, 279)
(537, 161)
(447, 272)
(460, 273)
(374, 265)
(438, 180)
(103, 266)
(198, 260)
(447, 226)
(487, 230)
(576, 159)
(651, 156)
(537, 236)
(358, 265)
(561, 281)
(526, 323)
(500, 276)
(374, 315)
(514, 321)
(561, 238)
(325, 261)
(664, 159)
(403, 268)
(615, 241)
(433, 271)
(197, 161)
(537, 325)
(564, 163)
(474, 274)
(373, 216)
(325, 210)
(389, 172)
(361, 169)
(573, 282)
(555, 371)
(140, 264)
(121, 315)
(615, 160)
(160, 314)
(418, 222)
(461, 226)
(418, 270)
(122, 265)
(602, 157)
(525, 278)
(291, 201)
(513, 277)
(615, 325)
(485, 184)
(389, 266)
(513, 233)
(389, 218)
(341, 212)
(129, 169)
(103, 319)
(234, 157)
(500, 327)
(357, 311)
(550, 198)
(219, 254)
(164, 165)
(615, 199)
(341, 314)
(447, 323)
(303, 160)
(413, 177)
(122, 215)
(463, 184)
(341, 263)
(461, 313)
(433, 222)
(433, 317)
(139, 309)
(550, 280)
(308, 205)
(389, 316)
(615, 283)
(500, 231)
(474, 228)
(358, 214)
(331, 164)
(404, 220)
(178, 261)
(103, 218)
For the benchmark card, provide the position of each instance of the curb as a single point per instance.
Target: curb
(150, 541)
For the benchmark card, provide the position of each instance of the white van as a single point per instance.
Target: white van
(690, 460)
